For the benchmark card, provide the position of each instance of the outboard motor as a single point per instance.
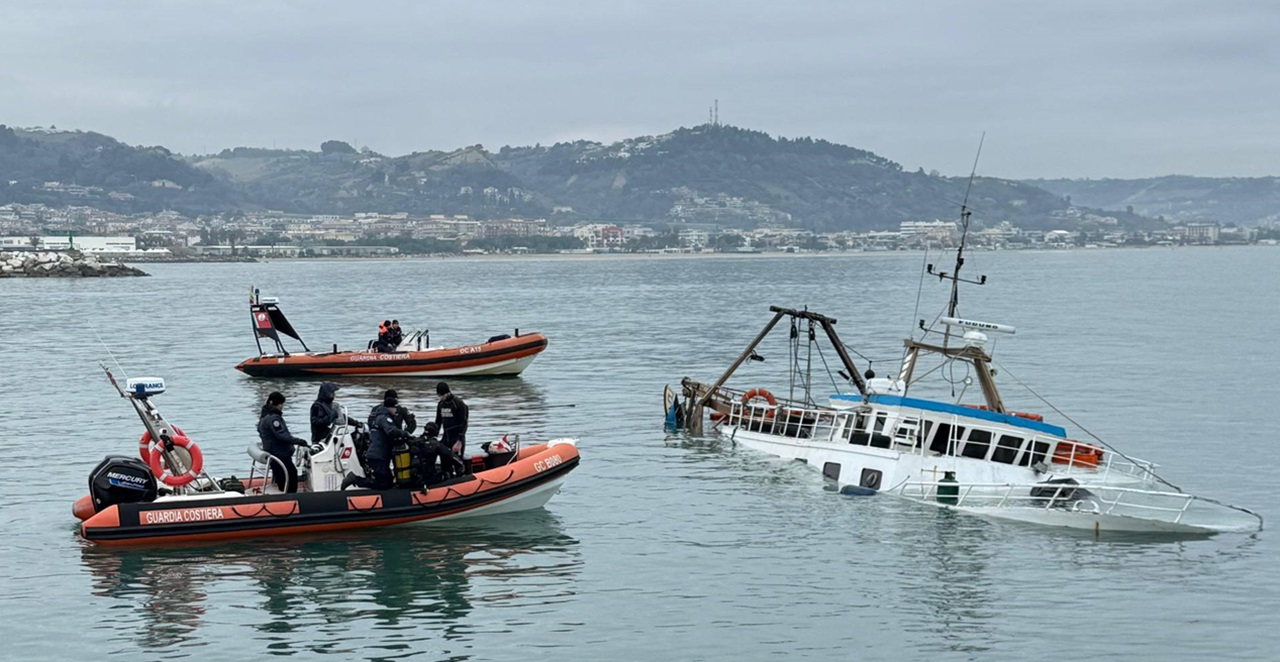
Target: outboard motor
(121, 479)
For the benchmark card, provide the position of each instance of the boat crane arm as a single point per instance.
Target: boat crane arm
(778, 313)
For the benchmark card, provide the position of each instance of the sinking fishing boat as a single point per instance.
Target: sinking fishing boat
(975, 457)
(414, 357)
(166, 496)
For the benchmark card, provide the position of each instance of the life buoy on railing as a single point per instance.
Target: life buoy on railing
(144, 443)
(1076, 454)
(760, 393)
(151, 455)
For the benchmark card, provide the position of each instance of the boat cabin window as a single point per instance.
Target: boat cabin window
(881, 417)
(905, 434)
(1007, 449)
(1038, 451)
(977, 445)
(942, 437)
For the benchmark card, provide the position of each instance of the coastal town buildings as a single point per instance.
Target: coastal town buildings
(275, 233)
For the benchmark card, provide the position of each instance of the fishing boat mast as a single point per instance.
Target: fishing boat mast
(971, 350)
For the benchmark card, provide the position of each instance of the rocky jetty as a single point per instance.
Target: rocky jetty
(48, 264)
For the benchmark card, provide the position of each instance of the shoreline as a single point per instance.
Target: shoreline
(663, 256)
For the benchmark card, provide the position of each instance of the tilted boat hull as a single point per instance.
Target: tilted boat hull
(525, 484)
(509, 356)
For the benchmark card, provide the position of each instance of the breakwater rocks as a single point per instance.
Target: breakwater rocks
(47, 264)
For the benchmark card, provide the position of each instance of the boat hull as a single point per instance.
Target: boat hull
(525, 484)
(509, 356)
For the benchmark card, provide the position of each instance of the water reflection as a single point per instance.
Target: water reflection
(954, 551)
(375, 594)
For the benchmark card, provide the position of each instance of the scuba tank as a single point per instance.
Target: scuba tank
(402, 461)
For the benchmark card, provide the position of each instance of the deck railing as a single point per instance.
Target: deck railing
(800, 420)
(1083, 497)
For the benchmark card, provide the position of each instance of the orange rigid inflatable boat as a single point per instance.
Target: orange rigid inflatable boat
(171, 499)
(413, 357)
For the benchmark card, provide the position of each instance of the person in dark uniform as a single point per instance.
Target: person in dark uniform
(277, 441)
(450, 464)
(394, 335)
(451, 415)
(404, 419)
(324, 413)
(384, 434)
(384, 337)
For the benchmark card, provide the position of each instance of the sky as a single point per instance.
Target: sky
(1084, 88)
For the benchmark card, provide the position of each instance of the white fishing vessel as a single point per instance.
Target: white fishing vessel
(971, 456)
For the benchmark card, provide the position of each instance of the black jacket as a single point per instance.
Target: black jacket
(324, 413)
(452, 415)
(383, 433)
(274, 433)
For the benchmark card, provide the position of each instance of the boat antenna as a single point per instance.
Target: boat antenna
(954, 276)
(106, 348)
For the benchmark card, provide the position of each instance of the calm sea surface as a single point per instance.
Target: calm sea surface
(659, 547)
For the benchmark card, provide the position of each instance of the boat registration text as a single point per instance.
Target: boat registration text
(550, 461)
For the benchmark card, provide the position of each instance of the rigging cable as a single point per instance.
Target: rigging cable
(1145, 466)
(108, 349)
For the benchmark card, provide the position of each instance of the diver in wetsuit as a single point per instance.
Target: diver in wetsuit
(384, 434)
(452, 415)
(279, 442)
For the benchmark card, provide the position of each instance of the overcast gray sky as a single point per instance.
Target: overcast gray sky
(1114, 88)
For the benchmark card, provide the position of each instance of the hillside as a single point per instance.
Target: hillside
(700, 172)
(1243, 201)
(706, 174)
(85, 168)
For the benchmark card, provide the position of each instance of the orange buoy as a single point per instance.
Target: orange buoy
(1075, 454)
(760, 393)
(180, 440)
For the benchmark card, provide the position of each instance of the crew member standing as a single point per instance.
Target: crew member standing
(451, 415)
(324, 413)
(277, 441)
(384, 433)
(394, 335)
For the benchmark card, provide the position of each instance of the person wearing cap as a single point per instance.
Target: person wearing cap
(452, 416)
(384, 434)
(279, 442)
(432, 449)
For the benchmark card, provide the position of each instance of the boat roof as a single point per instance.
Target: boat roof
(959, 410)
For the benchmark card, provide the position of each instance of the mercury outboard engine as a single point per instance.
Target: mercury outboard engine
(121, 479)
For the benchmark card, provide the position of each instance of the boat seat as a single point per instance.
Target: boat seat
(258, 455)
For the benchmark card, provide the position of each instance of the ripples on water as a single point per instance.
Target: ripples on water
(660, 546)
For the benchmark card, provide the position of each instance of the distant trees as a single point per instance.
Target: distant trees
(336, 147)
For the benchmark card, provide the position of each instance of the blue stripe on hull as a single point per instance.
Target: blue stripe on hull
(959, 410)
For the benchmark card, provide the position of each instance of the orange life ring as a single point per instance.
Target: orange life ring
(760, 393)
(153, 458)
(1076, 454)
(144, 443)
(1029, 417)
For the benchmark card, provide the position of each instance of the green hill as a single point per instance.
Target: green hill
(705, 174)
(76, 167)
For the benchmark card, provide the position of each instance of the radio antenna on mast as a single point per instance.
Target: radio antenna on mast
(954, 276)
